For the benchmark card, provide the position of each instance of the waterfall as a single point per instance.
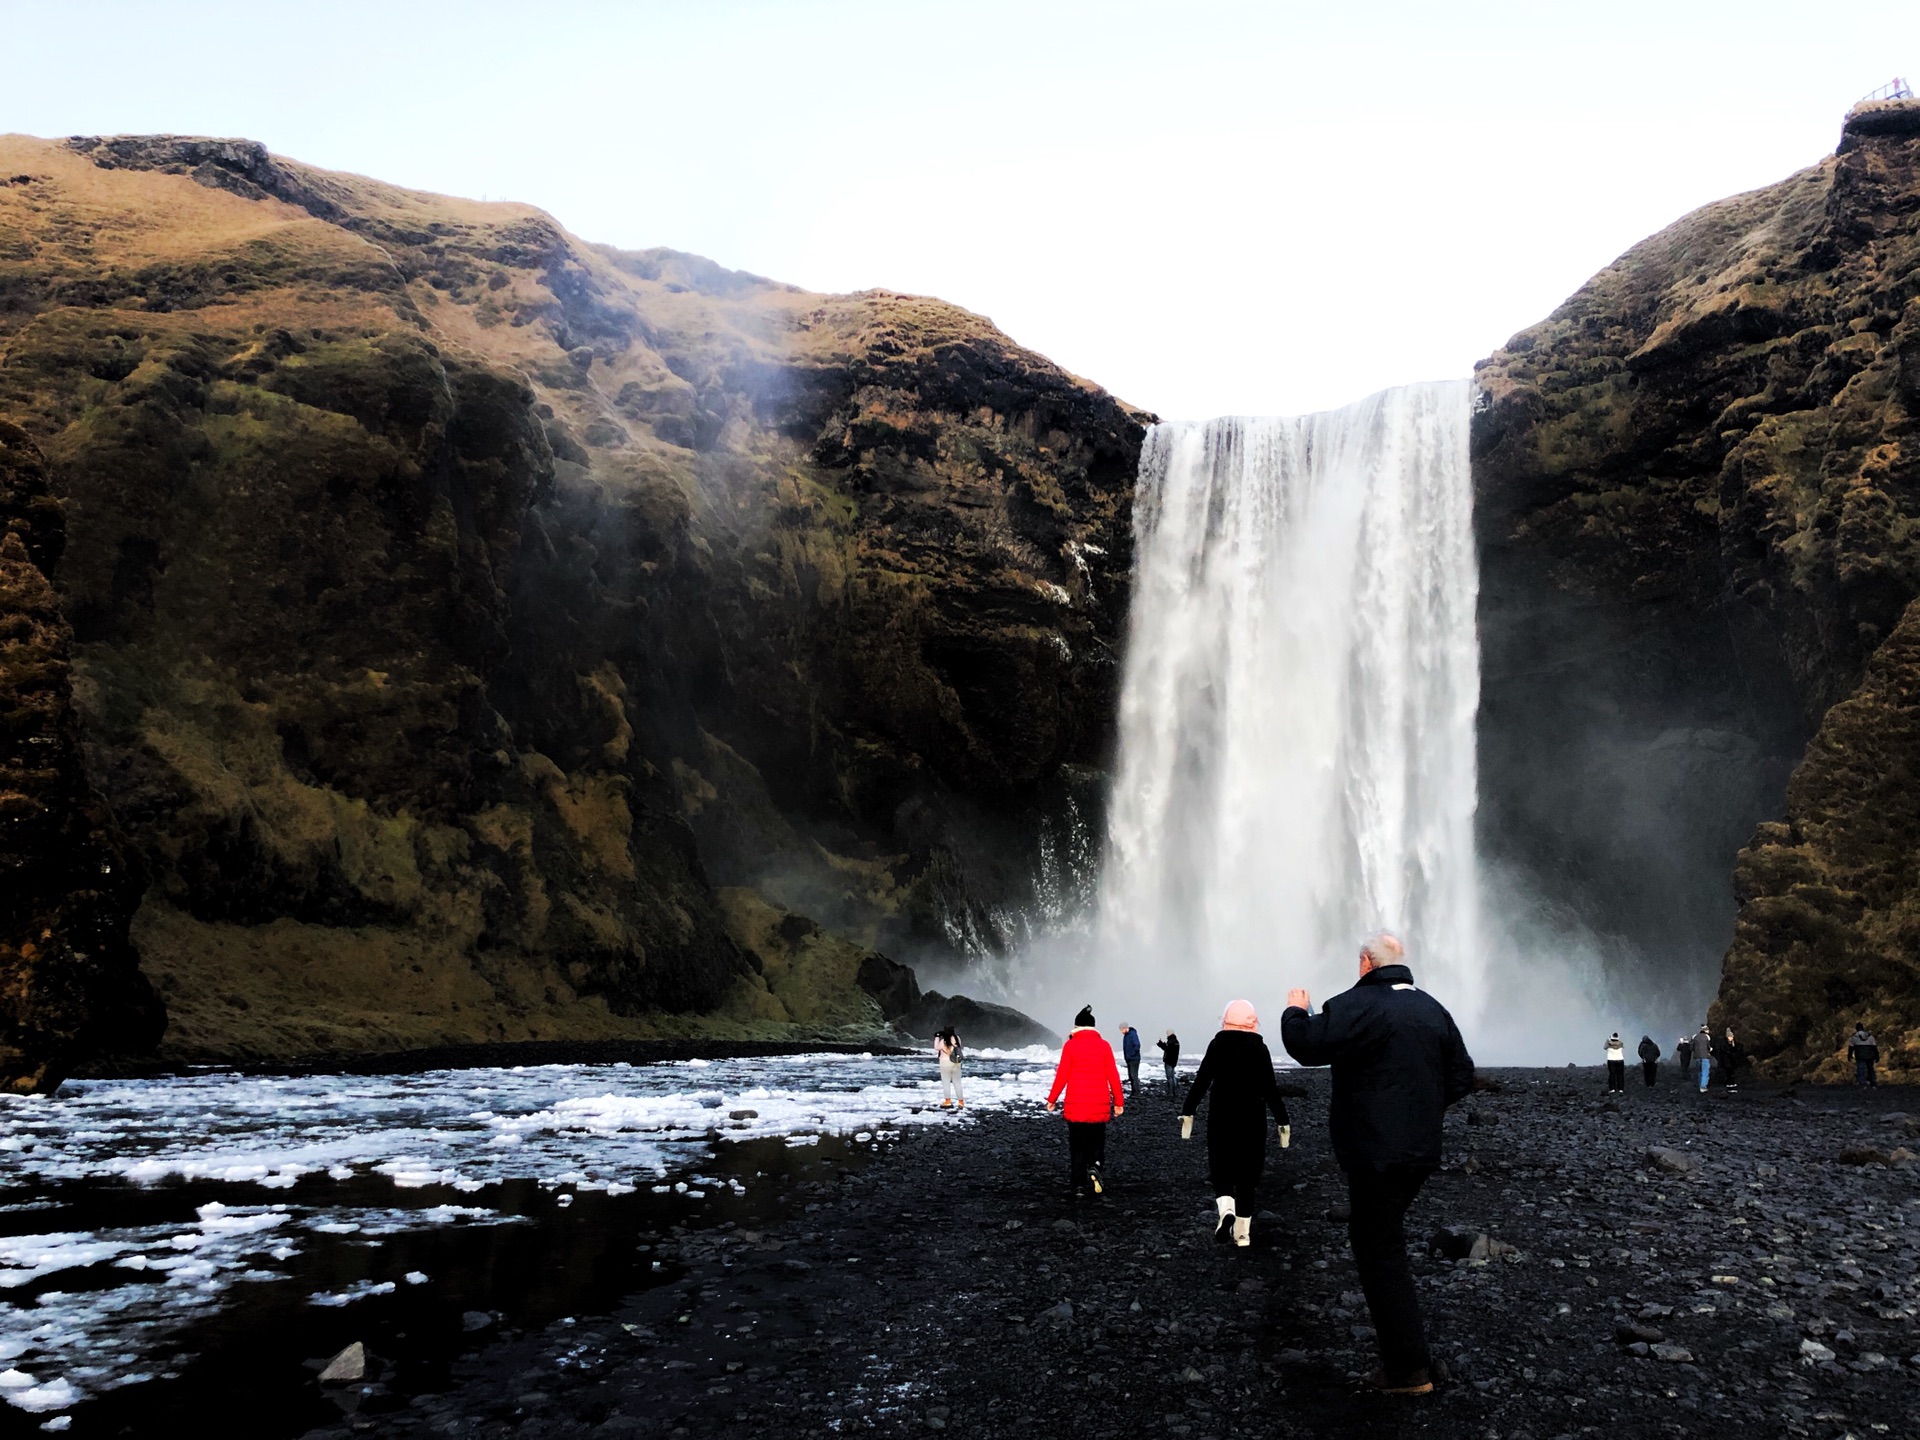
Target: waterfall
(1296, 729)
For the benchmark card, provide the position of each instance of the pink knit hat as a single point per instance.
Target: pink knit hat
(1239, 1016)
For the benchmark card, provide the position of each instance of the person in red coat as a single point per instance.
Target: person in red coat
(1091, 1080)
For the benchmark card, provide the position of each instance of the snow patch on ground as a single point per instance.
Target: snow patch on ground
(612, 1128)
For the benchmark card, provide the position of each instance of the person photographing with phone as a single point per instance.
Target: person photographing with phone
(1398, 1062)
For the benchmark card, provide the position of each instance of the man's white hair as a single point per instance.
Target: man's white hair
(1383, 947)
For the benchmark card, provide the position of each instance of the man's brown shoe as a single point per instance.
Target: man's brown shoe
(1417, 1382)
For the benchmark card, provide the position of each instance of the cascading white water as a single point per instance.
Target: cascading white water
(1296, 764)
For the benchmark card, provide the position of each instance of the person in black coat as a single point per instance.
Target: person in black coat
(1238, 1071)
(1170, 1057)
(1398, 1062)
(1649, 1059)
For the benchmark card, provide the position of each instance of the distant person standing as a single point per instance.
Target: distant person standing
(1091, 1082)
(1130, 1049)
(946, 1045)
(1398, 1062)
(1616, 1065)
(1731, 1058)
(1683, 1057)
(1865, 1054)
(1703, 1055)
(1170, 1057)
(1237, 1071)
(1649, 1060)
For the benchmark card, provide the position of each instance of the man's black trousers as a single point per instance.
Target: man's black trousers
(1379, 1200)
(1649, 1068)
(1086, 1148)
(1616, 1075)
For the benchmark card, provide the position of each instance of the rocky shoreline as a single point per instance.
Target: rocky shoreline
(1658, 1264)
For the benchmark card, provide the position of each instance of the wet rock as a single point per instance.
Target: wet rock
(1677, 1162)
(346, 1367)
(1863, 1155)
(1626, 1334)
(1672, 1354)
(1060, 1314)
(472, 1320)
(1814, 1352)
(743, 1114)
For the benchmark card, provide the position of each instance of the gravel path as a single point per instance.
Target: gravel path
(1767, 1287)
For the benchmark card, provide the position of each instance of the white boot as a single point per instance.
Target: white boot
(1221, 1227)
(1242, 1230)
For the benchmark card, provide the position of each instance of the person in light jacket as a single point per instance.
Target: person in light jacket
(1090, 1080)
(1237, 1071)
(1865, 1054)
(1616, 1065)
(946, 1045)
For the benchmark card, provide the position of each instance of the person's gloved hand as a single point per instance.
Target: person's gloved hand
(1286, 1136)
(1186, 1127)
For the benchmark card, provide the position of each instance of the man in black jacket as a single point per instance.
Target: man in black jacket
(1650, 1059)
(1398, 1062)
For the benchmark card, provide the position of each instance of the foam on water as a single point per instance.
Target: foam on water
(612, 1128)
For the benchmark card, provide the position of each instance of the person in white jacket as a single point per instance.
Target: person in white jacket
(946, 1044)
(1616, 1066)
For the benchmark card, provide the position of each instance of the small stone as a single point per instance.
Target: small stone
(1639, 1348)
(1814, 1352)
(472, 1320)
(346, 1367)
(1672, 1354)
(1627, 1334)
(1191, 1376)
(1065, 1226)
(743, 1114)
(1340, 1213)
(1060, 1314)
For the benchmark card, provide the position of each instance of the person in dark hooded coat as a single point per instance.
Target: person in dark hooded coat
(1237, 1071)
(1649, 1059)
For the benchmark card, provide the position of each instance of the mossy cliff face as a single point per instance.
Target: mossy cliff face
(69, 982)
(1697, 486)
(455, 604)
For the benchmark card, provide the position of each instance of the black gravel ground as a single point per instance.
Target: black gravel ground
(949, 1284)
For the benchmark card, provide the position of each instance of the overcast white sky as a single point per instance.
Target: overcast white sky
(1208, 208)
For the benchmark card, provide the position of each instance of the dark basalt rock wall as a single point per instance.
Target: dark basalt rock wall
(477, 634)
(70, 985)
(1697, 490)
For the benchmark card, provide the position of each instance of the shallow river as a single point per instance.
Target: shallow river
(178, 1248)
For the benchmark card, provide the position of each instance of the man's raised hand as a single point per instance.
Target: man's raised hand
(1300, 998)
